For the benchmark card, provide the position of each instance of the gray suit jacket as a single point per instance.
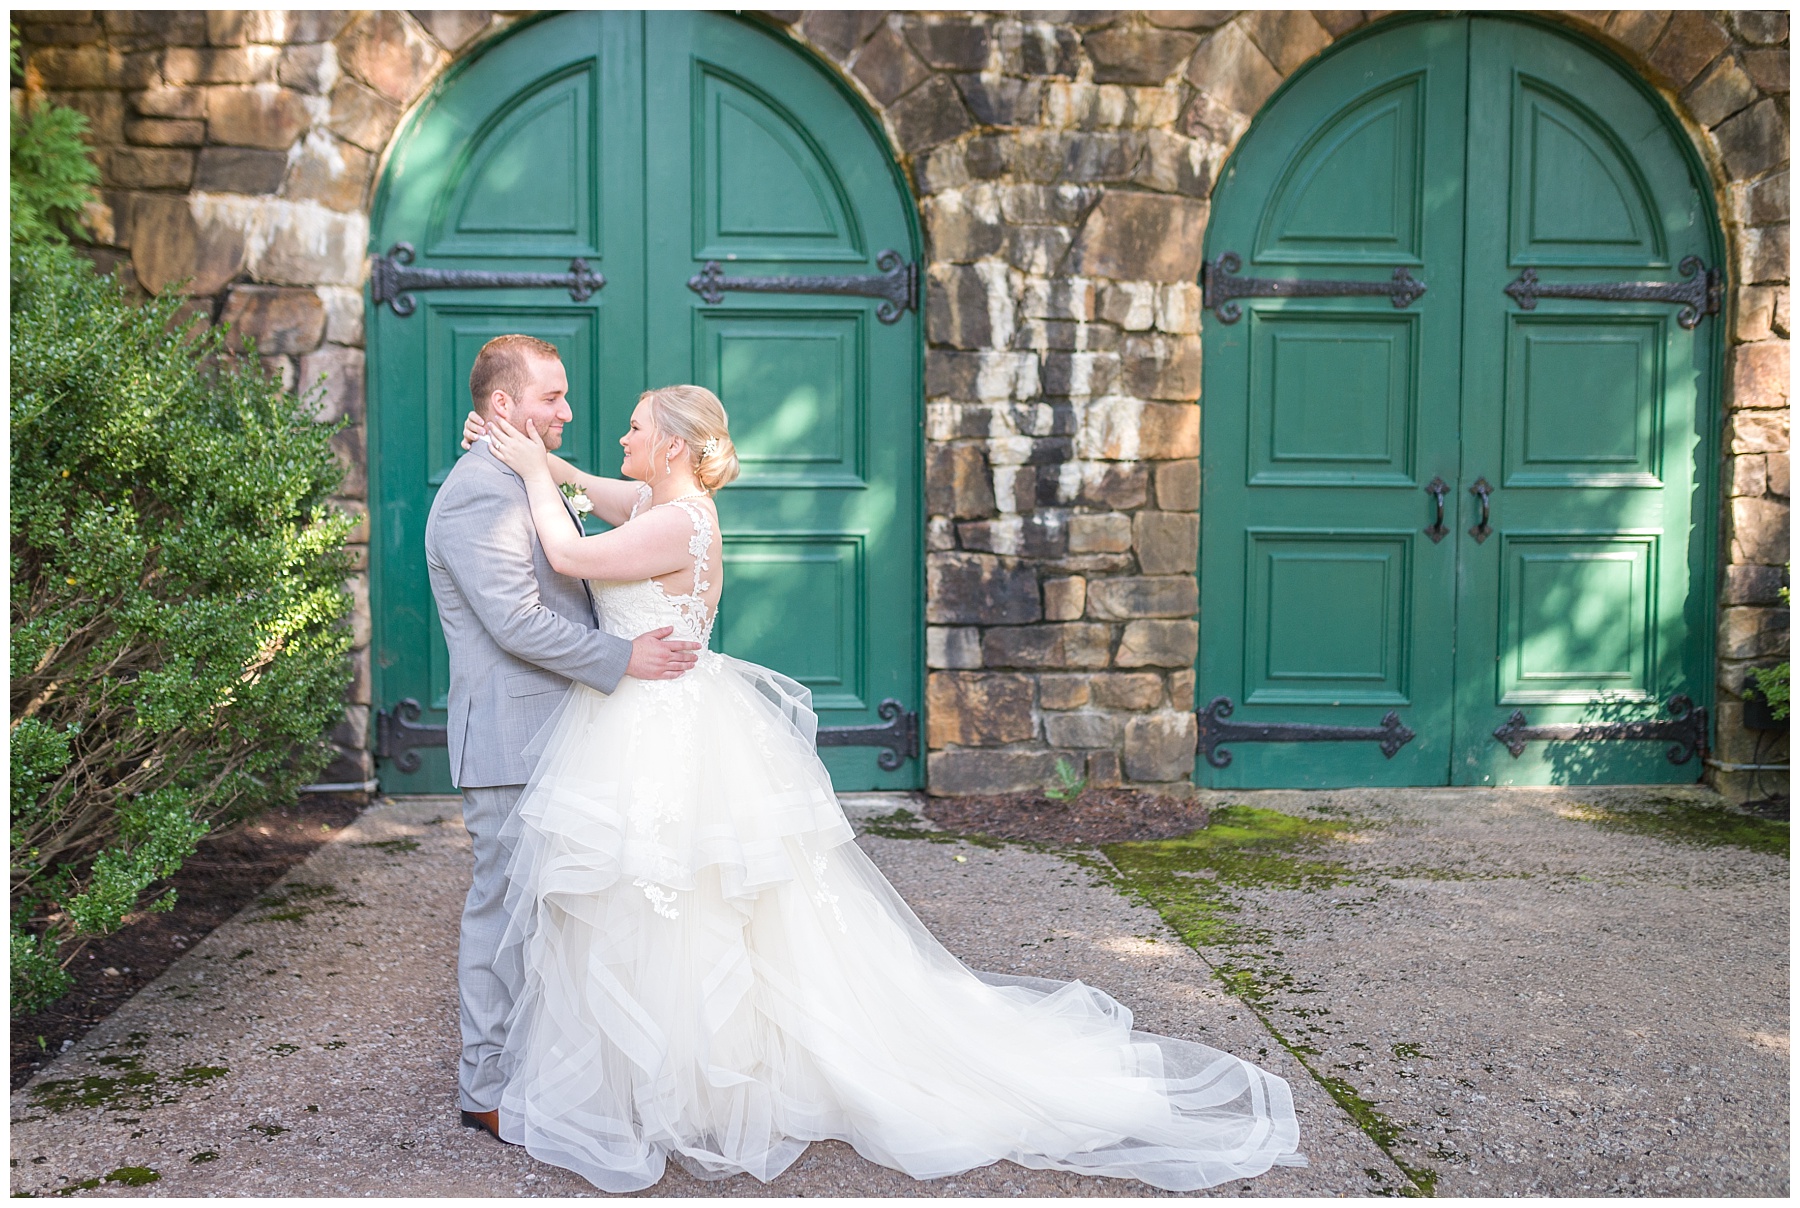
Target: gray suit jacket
(518, 632)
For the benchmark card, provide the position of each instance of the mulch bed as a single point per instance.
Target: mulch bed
(1095, 816)
(225, 875)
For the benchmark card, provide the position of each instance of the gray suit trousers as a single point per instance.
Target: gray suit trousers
(486, 985)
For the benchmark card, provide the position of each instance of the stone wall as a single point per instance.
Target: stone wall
(1063, 163)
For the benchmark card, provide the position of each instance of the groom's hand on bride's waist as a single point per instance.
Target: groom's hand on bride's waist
(655, 656)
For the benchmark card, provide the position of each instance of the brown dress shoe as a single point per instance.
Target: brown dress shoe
(489, 1121)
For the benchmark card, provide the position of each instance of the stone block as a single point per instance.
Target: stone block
(1136, 55)
(1040, 203)
(979, 589)
(1763, 254)
(360, 679)
(1759, 585)
(963, 225)
(1178, 486)
(170, 102)
(1040, 535)
(958, 482)
(268, 116)
(1131, 690)
(956, 307)
(1759, 531)
(1754, 141)
(1130, 598)
(1110, 485)
(1074, 731)
(149, 168)
(1173, 163)
(164, 132)
(452, 28)
(1167, 543)
(1123, 429)
(361, 116)
(1638, 28)
(1762, 27)
(164, 241)
(978, 710)
(1287, 37)
(1063, 691)
(1754, 317)
(1037, 249)
(952, 44)
(1763, 202)
(1080, 156)
(352, 730)
(1064, 599)
(888, 67)
(1750, 475)
(1338, 22)
(957, 773)
(1757, 432)
(1079, 375)
(1162, 367)
(957, 648)
(1038, 48)
(1181, 690)
(837, 32)
(1080, 105)
(1768, 69)
(306, 244)
(239, 170)
(1130, 304)
(928, 115)
(61, 29)
(336, 375)
(1159, 644)
(1160, 747)
(1178, 308)
(1722, 90)
(1058, 298)
(1071, 644)
(1759, 377)
(309, 69)
(1230, 70)
(1103, 770)
(351, 446)
(280, 320)
(985, 376)
(142, 29)
(940, 534)
(1752, 633)
(334, 173)
(223, 65)
(1142, 237)
(390, 54)
(1109, 533)
(1690, 41)
(1777, 469)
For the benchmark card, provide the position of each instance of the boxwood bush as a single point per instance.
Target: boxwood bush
(178, 636)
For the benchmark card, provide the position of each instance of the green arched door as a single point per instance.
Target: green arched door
(1460, 266)
(740, 225)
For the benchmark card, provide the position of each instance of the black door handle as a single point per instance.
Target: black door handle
(1482, 490)
(1437, 488)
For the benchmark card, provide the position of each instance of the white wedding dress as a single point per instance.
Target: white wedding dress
(713, 971)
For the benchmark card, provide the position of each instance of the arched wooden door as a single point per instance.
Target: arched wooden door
(1461, 357)
(737, 223)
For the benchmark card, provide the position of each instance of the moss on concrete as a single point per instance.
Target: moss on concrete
(1687, 822)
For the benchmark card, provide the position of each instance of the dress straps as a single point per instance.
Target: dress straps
(699, 545)
(643, 497)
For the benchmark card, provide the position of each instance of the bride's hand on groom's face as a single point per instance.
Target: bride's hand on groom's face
(523, 451)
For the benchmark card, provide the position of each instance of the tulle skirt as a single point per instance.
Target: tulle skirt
(714, 972)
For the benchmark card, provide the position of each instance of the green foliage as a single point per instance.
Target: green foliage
(1772, 682)
(1069, 784)
(53, 176)
(178, 650)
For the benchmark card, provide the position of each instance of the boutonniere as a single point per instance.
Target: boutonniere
(578, 500)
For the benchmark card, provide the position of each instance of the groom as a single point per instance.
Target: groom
(518, 632)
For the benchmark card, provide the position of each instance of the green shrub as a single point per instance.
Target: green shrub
(178, 650)
(53, 177)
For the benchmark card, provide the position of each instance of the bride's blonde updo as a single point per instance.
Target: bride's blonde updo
(696, 415)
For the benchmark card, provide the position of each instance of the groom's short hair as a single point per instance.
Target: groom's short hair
(504, 363)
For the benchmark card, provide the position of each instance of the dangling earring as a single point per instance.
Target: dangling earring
(669, 461)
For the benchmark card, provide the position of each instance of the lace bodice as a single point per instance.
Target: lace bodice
(628, 609)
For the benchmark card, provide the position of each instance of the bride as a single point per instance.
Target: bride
(715, 972)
